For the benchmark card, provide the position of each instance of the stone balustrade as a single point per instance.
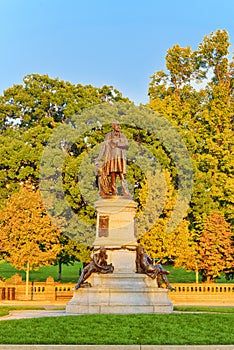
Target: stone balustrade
(15, 289)
(215, 294)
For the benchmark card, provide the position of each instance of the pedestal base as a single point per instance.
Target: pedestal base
(120, 293)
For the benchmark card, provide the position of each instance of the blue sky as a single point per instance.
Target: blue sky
(98, 42)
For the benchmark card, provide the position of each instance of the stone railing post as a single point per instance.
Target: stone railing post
(50, 289)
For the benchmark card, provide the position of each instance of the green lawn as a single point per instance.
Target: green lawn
(69, 272)
(215, 309)
(176, 329)
(179, 275)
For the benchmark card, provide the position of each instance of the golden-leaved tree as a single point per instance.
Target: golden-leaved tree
(178, 245)
(28, 240)
(215, 248)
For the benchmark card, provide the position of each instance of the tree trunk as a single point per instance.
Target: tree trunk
(60, 271)
(209, 279)
(27, 280)
(197, 280)
(197, 274)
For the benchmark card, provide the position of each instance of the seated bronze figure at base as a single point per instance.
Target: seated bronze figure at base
(144, 264)
(97, 264)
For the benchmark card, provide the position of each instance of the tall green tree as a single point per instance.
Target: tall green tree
(28, 114)
(46, 101)
(203, 115)
(70, 252)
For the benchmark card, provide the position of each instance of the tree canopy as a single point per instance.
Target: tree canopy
(27, 237)
(29, 114)
(215, 248)
(196, 95)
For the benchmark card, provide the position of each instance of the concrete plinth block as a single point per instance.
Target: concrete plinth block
(115, 223)
(120, 293)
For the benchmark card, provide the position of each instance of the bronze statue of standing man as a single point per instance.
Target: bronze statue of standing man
(114, 165)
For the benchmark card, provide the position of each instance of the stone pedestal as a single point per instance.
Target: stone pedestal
(116, 232)
(120, 293)
(124, 290)
(115, 222)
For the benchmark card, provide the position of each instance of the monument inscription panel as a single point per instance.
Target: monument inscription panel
(103, 226)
